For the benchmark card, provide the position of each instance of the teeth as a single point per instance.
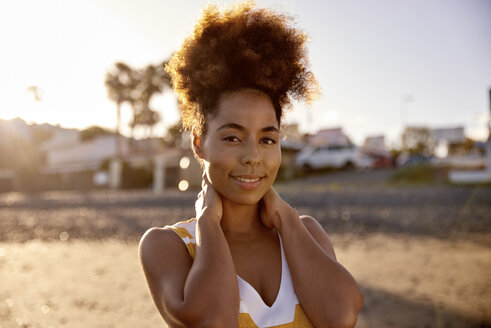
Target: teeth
(247, 180)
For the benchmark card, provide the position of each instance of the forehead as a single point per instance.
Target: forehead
(249, 108)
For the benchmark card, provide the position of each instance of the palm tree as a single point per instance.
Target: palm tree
(125, 84)
(120, 81)
(146, 117)
(151, 80)
(36, 92)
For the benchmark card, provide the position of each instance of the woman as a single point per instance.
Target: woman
(248, 259)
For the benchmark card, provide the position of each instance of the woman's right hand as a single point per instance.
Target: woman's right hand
(209, 201)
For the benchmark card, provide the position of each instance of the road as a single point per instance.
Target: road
(343, 202)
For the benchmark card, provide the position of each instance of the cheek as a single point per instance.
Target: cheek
(217, 165)
(272, 161)
(217, 172)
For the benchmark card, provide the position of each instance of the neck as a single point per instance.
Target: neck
(240, 219)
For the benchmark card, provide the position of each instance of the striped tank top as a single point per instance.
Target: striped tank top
(285, 312)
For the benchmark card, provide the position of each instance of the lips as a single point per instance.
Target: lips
(249, 182)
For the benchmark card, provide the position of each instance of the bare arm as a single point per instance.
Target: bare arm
(326, 290)
(187, 293)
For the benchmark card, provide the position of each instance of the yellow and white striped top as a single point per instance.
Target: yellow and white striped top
(285, 312)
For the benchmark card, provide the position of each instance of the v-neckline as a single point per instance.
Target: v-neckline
(282, 277)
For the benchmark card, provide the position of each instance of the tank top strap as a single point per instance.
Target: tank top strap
(186, 230)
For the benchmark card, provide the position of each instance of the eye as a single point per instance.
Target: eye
(268, 141)
(232, 139)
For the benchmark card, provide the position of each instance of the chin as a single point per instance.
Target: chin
(245, 199)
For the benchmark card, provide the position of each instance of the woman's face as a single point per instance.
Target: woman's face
(241, 150)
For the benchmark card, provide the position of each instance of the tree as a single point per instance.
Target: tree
(417, 140)
(93, 132)
(173, 136)
(137, 86)
(36, 92)
(146, 117)
(151, 80)
(120, 81)
(23, 155)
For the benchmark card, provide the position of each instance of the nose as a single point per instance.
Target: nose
(252, 155)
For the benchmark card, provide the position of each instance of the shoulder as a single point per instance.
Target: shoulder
(156, 239)
(170, 234)
(159, 246)
(319, 234)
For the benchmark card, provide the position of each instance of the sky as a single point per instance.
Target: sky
(381, 64)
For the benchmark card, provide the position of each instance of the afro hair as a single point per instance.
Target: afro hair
(240, 47)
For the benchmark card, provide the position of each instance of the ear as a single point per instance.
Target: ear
(197, 142)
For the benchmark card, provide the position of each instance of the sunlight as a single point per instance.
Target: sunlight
(65, 48)
(66, 57)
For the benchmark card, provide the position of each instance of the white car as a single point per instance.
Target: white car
(329, 156)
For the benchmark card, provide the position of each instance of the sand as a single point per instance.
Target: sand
(420, 253)
(407, 282)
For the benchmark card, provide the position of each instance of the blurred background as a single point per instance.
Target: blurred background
(394, 159)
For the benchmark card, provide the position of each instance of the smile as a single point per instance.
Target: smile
(247, 180)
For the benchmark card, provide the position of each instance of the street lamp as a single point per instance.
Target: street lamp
(405, 100)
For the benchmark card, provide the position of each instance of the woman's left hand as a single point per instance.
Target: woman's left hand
(274, 208)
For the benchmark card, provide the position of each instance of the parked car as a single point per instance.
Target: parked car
(330, 156)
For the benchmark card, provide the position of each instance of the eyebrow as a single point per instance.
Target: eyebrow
(241, 128)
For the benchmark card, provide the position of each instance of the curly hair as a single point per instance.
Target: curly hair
(240, 47)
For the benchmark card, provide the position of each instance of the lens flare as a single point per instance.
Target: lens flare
(184, 162)
(183, 185)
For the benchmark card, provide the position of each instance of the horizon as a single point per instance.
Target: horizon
(304, 134)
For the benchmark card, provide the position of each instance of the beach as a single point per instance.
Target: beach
(421, 254)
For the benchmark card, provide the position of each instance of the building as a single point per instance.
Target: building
(376, 152)
(448, 141)
(329, 137)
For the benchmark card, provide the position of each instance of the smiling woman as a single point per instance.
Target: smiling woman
(247, 251)
(245, 153)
